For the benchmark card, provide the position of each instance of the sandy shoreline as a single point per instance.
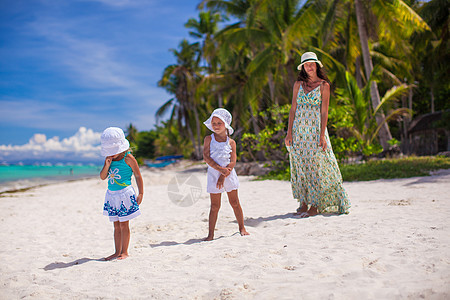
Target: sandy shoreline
(394, 244)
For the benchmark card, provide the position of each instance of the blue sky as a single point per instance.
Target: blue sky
(72, 68)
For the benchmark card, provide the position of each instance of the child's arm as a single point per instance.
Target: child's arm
(209, 160)
(131, 161)
(105, 169)
(233, 155)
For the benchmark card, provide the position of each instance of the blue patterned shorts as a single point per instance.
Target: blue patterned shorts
(121, 205)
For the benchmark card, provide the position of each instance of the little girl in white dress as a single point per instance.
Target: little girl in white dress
(219, 152)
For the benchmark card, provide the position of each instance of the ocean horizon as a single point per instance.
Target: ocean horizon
(20, 176)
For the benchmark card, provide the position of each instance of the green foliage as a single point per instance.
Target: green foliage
(145, 142)
(250, 65)
(170, 142)
(382, 169)
(348, 147)
(394, 142)
(270, 140)
(394, 168)
(132, 133)
(360, 118)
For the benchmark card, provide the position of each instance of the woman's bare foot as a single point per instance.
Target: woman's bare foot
(244, 232)
(312, 211)
(208, 238)
(123, 256)
(302, 209)
(111, 257)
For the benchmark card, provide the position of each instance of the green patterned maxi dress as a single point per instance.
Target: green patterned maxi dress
(315, 176)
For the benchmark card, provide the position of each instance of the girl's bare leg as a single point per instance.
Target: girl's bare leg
(213, 213)
(125, 231)
(117, 241)
(234, 202)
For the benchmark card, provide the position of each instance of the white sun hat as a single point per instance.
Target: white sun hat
(309, 56)
(113, 141)
(222, 114)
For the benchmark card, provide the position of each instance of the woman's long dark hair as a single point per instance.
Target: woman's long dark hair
(303, 76)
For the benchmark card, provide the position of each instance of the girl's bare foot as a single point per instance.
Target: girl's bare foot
(208, 238)
(111, 257)
(122, 256)
(244, 232)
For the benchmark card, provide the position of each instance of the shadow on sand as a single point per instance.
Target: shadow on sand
(173, 243)
(256, 222)
(62, 265)
(190, 242)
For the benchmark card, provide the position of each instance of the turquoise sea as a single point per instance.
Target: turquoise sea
(14, 177)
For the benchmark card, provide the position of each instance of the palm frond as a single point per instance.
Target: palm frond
(392, 94)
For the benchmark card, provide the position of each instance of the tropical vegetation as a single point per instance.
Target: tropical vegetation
(386, 60)
(406, 167)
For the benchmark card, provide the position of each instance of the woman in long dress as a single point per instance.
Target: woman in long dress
(315, 176)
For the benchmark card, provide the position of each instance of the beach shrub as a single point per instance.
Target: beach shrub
(145, 144)
(169, 141)
(268, 144)
(381, 169)
(394, 168)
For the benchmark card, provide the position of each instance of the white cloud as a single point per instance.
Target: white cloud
(83, 146)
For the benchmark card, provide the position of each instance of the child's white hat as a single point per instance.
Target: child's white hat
(222, 114)
(113, 141)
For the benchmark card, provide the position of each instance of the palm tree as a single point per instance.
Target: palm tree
(385, 134)
(257, 52)
(180, 79)
(366, 128)
(388, 22)
(433, 46)
(132, 133)
(205, 29)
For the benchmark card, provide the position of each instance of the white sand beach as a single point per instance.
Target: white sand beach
(394, 244)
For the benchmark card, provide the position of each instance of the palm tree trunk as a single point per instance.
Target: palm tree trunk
(358, 72)
(197, 124)
(191, 137)
(253, 119)
(384, 133)
(432, 98)
(272, 89)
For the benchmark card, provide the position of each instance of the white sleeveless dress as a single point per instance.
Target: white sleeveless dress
(220, 152)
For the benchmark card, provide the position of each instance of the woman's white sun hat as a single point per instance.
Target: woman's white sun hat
(309, 56)
(222, 114)
(113, 141)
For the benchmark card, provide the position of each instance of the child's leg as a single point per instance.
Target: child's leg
(117, 241)
(125, 231)
(213, 213)
(234, 202)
